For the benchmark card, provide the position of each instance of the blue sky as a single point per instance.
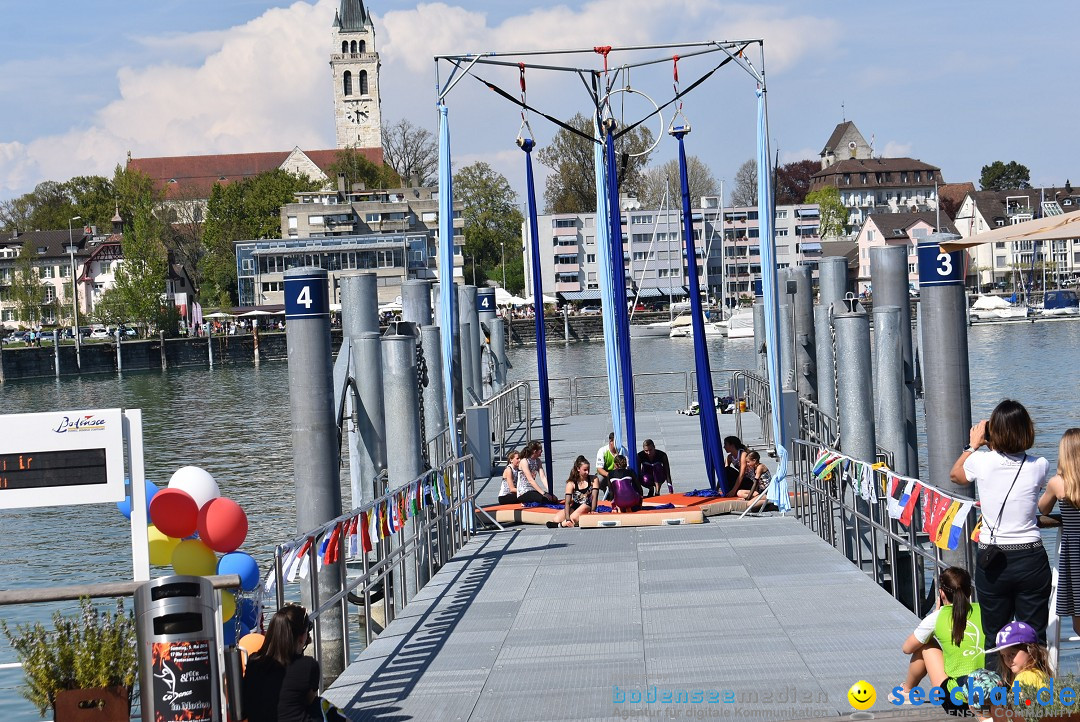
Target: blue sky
(956, 84)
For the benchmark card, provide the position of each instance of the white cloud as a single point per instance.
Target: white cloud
(896, 149)
(264, 85)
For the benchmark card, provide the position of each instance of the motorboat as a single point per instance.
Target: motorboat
(1060, 303)
(996, 308)
(741, 324)
(683, 327)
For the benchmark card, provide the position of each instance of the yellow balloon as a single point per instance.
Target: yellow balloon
(161, 546)
(228, 606)
(193, 557)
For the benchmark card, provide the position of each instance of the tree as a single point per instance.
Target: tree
(745, 191)
(27, 290)
(831, 212)
(409, 150)
(356, 168)
(246, 210)
(793, 181)
(184, 237)
(492, 219)
(571, 188)
(656, 179)
(15, 214)
(138, 291)
(51, 205)
(1000, 176)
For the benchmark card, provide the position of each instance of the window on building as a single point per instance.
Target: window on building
(565, 223)
(863, 178)
(247, 265)
(639, 220)
(315, 220)
(292, 222)
(47, 271)
(590, 258)
(1000, 222)
(344, 46)
(9, 314)
(870, 236)
(781, 232)
(929, 175)
(346, 83)
(999, 244)
(372, 218)
(592, 276)
(362, 46)
(904, 177)
(363, 83)
(781, 214)
(352, 47)
(918, 233)
(661, 273)
(429, 217)
(590, 240)
(912, 268)
(847, 179)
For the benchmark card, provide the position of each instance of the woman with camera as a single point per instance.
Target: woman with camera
(1012, 577)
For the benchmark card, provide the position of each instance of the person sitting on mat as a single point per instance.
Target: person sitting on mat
(759, 477)
(532, 481)
(654, 467)
(508, 490)
(735, 470)
(605, 458)
(579, 492)
(625, 489)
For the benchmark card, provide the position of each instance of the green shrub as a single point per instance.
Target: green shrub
(96, 649)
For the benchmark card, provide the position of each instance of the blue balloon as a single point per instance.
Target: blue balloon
(242, 564)
(248, 612)
(125, 505)
(228, 632)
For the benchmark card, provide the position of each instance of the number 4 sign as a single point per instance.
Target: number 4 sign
(306, 297)
(938, 268)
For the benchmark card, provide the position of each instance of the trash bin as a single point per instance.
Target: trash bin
(178, 650)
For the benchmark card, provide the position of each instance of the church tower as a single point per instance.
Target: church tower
(355, 67)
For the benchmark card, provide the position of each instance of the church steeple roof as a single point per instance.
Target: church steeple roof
(352, 15)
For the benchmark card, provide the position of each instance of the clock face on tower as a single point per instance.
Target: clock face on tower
(358, 116)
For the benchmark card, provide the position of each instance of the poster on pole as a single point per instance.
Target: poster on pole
(61, 458)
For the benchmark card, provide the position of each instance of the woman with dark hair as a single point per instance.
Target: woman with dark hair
(948, 644)
(281, 684)
(531, 480)
(580, 488)
(735, 469)
(1012, 572)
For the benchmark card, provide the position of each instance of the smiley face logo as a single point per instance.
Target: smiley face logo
(862, 695)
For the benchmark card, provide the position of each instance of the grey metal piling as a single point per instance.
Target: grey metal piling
(889, 385)
(56, 350)
(855, 403)
(759, 336)
(404, 457)
(435, 423)
(416, 302)
(832, 287)
(889, 278)
(946, 379)
(359, 304)
(469, 393)
(468, 317)
(119, 352)
(314, 435)
(370, 445)
(498, 352)
(805, 354)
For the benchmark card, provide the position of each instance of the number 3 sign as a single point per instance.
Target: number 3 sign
(938, 268)
(306, 297)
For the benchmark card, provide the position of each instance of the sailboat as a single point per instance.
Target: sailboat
(740, 324)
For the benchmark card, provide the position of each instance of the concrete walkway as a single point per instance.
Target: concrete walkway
(538, 624)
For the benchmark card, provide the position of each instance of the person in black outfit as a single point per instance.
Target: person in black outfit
(625, 490)
(281, 684)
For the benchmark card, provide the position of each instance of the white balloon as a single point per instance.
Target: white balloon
(196, 482)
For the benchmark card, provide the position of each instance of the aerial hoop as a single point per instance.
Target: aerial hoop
(656, 111)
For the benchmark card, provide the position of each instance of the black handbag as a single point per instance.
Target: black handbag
(991, 554)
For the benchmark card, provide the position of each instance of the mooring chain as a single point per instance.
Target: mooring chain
(421, 382)
(836, 378)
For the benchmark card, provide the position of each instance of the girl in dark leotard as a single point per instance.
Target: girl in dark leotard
(579, 492)
(626, 491)
(735, 477)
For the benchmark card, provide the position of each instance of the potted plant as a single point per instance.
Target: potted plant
(84, 668)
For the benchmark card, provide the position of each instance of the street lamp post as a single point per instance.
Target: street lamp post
(502, 245)
(74, 295)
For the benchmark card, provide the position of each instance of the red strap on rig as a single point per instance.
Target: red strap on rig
(521, 67)
(603, 50)
(675, 66)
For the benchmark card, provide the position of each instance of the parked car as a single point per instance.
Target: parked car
(17, 337)
(591, 311)
(100, 333)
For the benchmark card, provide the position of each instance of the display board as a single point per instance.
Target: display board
(61, 458)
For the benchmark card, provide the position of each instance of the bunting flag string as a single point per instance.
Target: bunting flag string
(352, 546)
(365, 536)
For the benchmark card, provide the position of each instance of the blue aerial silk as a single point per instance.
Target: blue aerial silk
(710, 429)
(527, 145)
(618, 298)
(447, 305)
(604, 277)
(777, 492)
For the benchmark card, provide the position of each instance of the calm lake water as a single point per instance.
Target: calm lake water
(234, 423)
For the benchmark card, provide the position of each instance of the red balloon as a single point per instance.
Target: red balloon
(223, 525)
(174, 513)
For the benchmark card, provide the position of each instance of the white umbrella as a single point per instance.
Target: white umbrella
(258, 312)
(219, 314)
(518, 301)
(544, 299)
(1050, 228)
(390, 307)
